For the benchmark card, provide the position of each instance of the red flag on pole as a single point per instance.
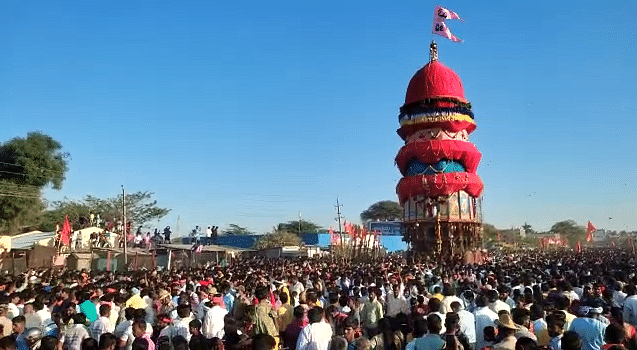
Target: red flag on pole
(579, 247)
(65, 235)
(589, 231)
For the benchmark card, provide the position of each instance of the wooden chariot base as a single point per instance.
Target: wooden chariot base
(445, 241)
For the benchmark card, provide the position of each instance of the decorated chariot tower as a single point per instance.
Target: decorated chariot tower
(440, 189)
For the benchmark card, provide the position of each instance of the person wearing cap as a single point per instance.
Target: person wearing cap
(506, 331)
(589, 327)
(166, 305)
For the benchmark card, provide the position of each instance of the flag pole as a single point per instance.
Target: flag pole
(124, 228)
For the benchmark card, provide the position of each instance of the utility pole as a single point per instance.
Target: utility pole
(300, 219)
(338, 218)
(124, 228)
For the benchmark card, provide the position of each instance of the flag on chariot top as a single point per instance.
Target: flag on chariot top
(442, 14)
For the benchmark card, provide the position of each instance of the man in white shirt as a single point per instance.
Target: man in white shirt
(102, 325)
(449, 297)
(467, 322)
(296, 286)
(485, 317)
(75, 334)
(396, 302)
(317, 334)
(181, 326)
(495, 304)
(120, 330)
(213, 319)
(13, 310)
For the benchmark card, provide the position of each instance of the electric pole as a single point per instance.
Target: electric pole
(338, 218)
(300, 219)
(124, 228)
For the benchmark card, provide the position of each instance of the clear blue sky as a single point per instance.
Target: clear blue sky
(250, 112)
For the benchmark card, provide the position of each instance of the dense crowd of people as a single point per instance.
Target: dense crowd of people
(517, 301)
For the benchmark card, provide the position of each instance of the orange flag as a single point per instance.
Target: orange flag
(579, 247)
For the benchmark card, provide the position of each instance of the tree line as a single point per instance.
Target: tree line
(30, 164)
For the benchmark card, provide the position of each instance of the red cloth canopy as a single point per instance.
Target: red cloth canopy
(432, 151)
(434, 80)
(438, 185)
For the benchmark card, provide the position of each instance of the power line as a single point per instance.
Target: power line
(41, 168)
(19, 196)
(22, 174)
(9, 183)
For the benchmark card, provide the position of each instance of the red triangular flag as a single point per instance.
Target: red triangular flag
(589, 231)
(65, 235)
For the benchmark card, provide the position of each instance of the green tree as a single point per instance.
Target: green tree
(570, 230)
(79, 215)
(277, 239)
(234, 229)
(298, 226)
(383, 210)
(27, 166)
(528, 229)
(489, 232)
(141, 209)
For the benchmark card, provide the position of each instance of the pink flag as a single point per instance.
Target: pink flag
(440, 27)
(444, 13)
